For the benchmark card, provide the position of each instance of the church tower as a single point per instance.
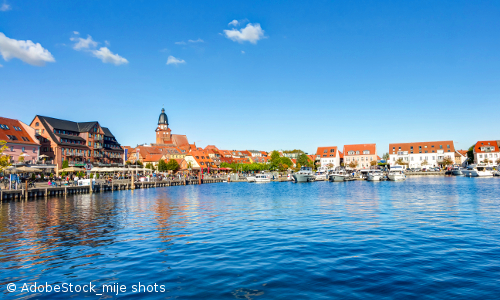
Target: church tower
(163, 133)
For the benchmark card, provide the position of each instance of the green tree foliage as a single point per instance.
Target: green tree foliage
(150, 166)
(254, 167)
(128, 162)
(275, 160)
(162, 166)
(470, 154)
(65, 164)
(4, 158)
(173, 165)
(424, 163)
(385, 156)
(304, 160)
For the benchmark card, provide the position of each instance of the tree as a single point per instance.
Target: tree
(424, 163)
(162, 166)
(400, 161)
(65, 164)
(497, 161)
(128, 162)
(150, 166)
(275, 160)
(353, 164)
(20, 159)
(447, 161)
(173, 165)
(373, 163)
(486, 160)
(285, 162)
(385, 156)
(470, 154)
(303, 160)
(4, 158)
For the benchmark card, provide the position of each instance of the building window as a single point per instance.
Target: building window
(22, 149)
(12, 148)
(36, 124)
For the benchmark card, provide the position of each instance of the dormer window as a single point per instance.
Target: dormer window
(357, 152)
(366, 152)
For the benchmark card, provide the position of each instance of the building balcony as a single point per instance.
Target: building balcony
(97, 146)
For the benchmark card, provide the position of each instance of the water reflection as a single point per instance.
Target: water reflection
(279, 240)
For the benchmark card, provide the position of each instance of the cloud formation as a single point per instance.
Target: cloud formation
(5, 6)
(107, 56)
(27, 51)
(174, 61)
(103, 53)
(251, 33)
(82, 44)
(190, 41)
(233, 23)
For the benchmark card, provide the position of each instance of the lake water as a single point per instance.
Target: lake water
(425, 238)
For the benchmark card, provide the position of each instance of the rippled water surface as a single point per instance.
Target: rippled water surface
(426, 238)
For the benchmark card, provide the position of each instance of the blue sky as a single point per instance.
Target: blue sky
(286, 75)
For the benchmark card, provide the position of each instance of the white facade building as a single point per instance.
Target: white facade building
(422, 154)
(329, 157)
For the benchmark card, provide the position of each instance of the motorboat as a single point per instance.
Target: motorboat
(339, 175)
(259, 178)
(396, 173)
(251, 178)
(304, 175)
(375, 175)
(321, 176)
(479, 170)
(457, 171)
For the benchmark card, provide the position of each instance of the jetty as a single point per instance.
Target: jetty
(98, 187)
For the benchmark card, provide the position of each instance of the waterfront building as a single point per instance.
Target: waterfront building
(197, 160)
(328, 157)
(461, 157)
(164, 136)
(362, 154)
(255, 153)
(421, 154)
(487, 150)
(22, 143)
(77, 142)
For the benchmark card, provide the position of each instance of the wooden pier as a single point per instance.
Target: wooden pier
(44, 192)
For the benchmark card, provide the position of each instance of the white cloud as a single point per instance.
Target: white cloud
(1, 66)
(196, 41)
(5, 7)
(242, 52)
(76, 32)
(107, 43)
(27, 51)
(174, 61)
(180, 43)
(251, 33)
(83, 43)
(108, 57)
(233, 23)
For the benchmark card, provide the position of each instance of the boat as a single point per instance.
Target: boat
(321, 176)
(396, 173)
(259, 178)
(456, 171)
(339, 175)
(304, 175)
(479, 170)
(251, 178)
(375, 175)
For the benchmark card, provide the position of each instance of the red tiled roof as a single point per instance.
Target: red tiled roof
(18, 134)
(341, 154)
(329, 150)
(479, 144)
(202, 156)
(463, 152)
(360, 147)
(211, 147)
(426, 146)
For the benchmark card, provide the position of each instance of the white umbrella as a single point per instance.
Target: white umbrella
(43, 156)
(95, 169)
(24, 154)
